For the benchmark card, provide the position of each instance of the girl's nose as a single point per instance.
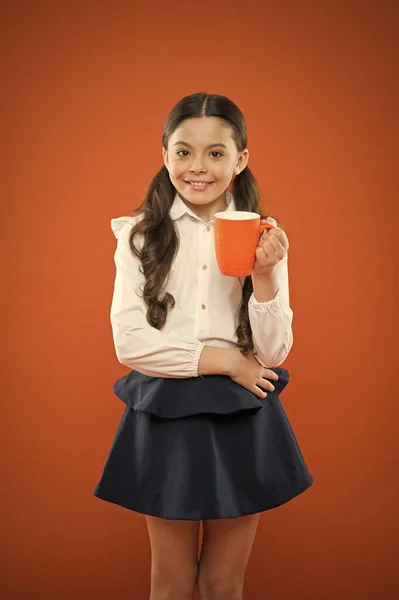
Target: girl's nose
(197, 166)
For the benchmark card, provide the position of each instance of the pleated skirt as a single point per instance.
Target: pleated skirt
(201, 448)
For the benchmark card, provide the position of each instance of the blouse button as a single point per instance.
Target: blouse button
(208, 227)
(203, 306)
(204, 267)
(193, 219)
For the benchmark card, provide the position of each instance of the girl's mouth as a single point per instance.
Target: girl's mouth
(200, 186)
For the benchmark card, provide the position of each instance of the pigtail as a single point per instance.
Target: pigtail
(247, 197)
(159, 248)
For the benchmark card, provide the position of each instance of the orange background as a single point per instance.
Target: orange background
(86, 88)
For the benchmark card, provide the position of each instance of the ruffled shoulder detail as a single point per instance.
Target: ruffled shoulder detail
(178, 398)
(119, 223)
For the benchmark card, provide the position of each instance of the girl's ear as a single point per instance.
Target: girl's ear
(165, 157)
(242, 161)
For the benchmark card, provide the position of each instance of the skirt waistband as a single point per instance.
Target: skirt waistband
(171, 398)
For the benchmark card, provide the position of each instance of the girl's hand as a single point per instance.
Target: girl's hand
(246, 371)
(273, 246)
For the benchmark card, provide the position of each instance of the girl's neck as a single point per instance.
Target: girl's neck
(206, 211)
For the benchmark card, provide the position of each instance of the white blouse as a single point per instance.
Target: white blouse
(206, 304)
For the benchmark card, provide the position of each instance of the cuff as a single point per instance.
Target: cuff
(196, 359)
(266, 306)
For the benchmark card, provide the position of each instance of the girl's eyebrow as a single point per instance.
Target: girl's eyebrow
(190, 146)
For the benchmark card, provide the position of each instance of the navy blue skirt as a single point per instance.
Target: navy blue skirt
(201, 448)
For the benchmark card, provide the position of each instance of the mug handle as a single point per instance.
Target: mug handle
(269, 225)
(264, 226)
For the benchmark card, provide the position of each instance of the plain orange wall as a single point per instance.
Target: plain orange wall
(86, 88)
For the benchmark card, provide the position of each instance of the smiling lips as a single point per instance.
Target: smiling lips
(199, 185)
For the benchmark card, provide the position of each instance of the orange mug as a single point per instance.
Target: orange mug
(236, 239)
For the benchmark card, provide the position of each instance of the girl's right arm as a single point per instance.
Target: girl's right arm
(138, 345)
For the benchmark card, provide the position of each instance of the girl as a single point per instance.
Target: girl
(204, 437)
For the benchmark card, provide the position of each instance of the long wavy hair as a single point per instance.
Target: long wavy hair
(161, 243)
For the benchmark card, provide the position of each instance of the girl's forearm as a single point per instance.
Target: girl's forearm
(217, 361)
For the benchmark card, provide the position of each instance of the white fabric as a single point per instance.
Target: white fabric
(175, 350)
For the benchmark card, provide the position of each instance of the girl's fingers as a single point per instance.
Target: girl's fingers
(275, 244)
(269, 374)
(265, 384)
(276, 241)
(276, 234)
(268, 385)
(258, 392)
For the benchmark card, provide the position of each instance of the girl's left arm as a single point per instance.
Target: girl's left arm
(270, 315)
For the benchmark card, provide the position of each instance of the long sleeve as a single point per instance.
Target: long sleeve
(138, 345)
(271, 322)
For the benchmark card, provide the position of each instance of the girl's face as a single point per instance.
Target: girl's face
(202, 159)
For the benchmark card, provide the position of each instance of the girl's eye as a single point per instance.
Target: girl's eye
(214, 152)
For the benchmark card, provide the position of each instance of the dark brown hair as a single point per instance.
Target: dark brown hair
(160, 238)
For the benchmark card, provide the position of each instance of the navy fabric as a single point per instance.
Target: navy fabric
(201, 448)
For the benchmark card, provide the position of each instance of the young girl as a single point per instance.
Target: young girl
(204, 437)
